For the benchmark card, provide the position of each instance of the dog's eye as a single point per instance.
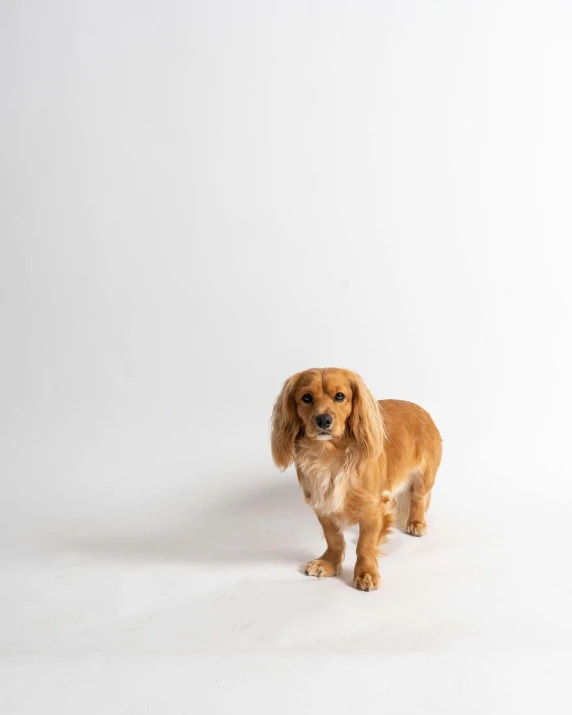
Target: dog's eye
(307, 397)
(339, 397)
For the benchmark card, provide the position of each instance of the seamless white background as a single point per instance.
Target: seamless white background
(199, 199)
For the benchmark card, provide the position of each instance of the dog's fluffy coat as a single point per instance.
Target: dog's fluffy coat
(357, 469)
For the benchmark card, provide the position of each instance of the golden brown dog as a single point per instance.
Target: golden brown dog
(355, 458)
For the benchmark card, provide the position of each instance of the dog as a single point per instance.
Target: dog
(356, 459)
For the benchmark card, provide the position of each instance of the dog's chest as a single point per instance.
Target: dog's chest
(325, 482)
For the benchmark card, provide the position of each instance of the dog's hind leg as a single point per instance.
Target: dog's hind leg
(420, 497)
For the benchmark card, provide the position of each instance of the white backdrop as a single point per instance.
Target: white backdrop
(199, 199)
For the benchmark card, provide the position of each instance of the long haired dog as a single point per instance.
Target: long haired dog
(356, 459)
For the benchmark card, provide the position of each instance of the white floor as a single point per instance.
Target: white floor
(211, 609)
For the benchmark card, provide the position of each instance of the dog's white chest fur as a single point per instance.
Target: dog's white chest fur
(325, 481)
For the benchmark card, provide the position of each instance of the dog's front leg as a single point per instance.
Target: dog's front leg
(366, 573)
(330, 563)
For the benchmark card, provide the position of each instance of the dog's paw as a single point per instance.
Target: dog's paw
(321, 569)
(366, 580)
(417, 528)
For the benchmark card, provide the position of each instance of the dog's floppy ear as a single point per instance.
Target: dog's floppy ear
(366, 421)
(285, 424)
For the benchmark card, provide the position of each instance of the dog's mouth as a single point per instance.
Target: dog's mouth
(324, 435)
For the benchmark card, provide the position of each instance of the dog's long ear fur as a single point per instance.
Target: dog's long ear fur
(366, 421)
(285, 424)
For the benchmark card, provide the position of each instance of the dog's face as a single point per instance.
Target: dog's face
(325, 405)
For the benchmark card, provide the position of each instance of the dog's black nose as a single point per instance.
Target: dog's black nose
(324, 421)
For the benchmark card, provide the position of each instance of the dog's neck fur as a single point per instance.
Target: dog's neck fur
(327, 470)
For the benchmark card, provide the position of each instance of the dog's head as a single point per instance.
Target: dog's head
(325, 404)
